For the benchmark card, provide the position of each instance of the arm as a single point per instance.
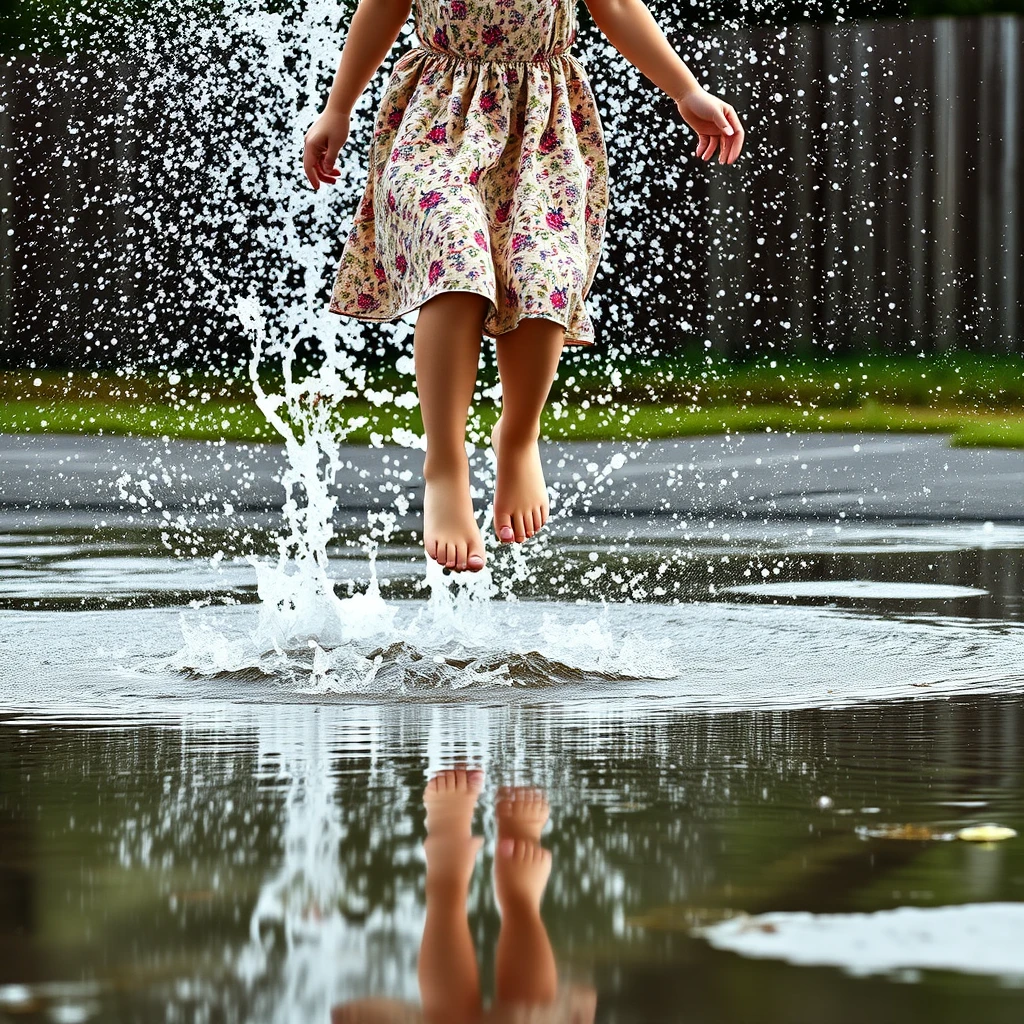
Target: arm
(630, 27)
(371, 34)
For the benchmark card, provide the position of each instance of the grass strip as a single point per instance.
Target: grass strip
(238, 420)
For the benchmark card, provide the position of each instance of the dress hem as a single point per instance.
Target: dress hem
(389, 318)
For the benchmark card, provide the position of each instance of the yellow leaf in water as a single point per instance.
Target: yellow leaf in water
(986, 833)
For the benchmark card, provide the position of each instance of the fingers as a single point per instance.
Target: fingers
(728, 139)
(328, 169)
(309, 162)
(707, 147)
(736, 139)
(317, 167)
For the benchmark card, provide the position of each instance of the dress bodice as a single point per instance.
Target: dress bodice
(498, 30)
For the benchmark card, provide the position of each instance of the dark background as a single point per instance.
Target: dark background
(896, 229)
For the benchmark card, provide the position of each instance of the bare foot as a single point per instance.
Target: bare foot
(522, 812)
(450, 533)
(521, 496)
(521, 871)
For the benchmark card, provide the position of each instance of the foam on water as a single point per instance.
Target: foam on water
(975, 938)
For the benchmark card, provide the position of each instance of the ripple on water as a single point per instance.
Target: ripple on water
(712, 657)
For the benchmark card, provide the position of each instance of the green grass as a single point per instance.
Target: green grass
(978, 400)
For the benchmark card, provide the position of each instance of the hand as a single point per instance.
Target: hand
(322, 143)
(715, 123)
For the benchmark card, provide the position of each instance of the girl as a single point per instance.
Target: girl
(485, 209)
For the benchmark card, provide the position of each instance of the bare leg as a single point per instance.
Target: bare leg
(525, 967)
(447, 352)
(527, 361)
(448, 975)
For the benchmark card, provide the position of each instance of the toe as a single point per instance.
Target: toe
(460, 561)
(506, 847)
(503, 528)
(475, 561)
(452, 555)
(517, 527)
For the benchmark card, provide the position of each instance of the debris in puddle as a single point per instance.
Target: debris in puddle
(908, 832)
(986, 833)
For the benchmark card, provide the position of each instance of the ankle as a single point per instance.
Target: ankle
(443, 465)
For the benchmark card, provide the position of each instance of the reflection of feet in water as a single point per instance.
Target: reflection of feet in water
(526, 979)
(522, 812)
(521, 872)
(450, 799)
(525, 965)
(449, 980)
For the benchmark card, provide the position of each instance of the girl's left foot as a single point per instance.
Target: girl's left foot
(521, 495)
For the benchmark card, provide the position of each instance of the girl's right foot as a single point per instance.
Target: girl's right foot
(450, 533)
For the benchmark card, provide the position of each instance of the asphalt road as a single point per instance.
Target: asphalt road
(817, 476)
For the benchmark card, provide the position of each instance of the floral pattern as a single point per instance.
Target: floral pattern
(487, 172)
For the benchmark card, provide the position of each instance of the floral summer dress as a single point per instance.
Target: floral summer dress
(487, 172)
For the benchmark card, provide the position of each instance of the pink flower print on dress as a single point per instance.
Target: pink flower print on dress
(488, 101)
(548, 141)
(431, 199)
(395, 117)
(366, 210)
(579, 122)
(401, 264)
(513, 297)
(436, 271)
(558, 299)
(501, 214)
(474, 175)
(440, 38)
(458, 10)
(366, 301)
(439, 133)
(520, 242)
(481, 239)
(492, 35)
(392, 201)
(556, 219)
(378, 270)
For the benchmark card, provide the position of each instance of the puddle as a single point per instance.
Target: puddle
(265, 862)
(211, 805)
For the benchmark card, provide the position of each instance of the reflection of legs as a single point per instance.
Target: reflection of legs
(449, 980)
(447, 352)
(527, 360)
(525, 965)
